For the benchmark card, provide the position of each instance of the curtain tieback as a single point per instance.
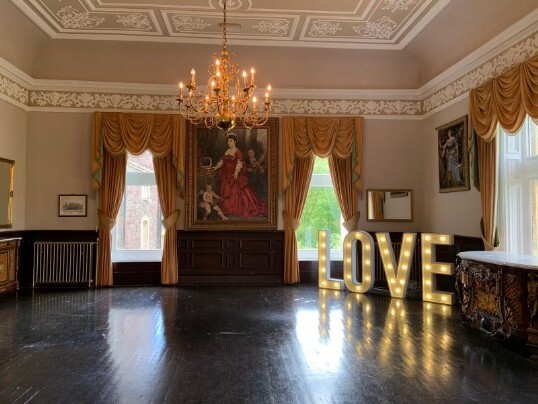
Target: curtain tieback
(290, 221)
(488, 246)
(105, 222)
(170, 220)
(352, 223)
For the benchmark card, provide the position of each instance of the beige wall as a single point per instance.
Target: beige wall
(398, 154)
(13, 129)
(59, 162)
(392, 160)
(454, 212)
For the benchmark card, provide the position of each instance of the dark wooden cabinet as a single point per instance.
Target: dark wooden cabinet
(230, 257)
(499, 296)
(9, 264)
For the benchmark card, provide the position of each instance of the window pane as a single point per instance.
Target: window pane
(133, 233)
(321, 211)
(321, 166)
(138, 225)
(534, 216)
(533, 138)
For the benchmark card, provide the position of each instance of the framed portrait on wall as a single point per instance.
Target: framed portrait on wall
(232, 179)
(453, 156)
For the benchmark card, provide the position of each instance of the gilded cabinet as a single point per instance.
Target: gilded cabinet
(498, 294)
(9, 252)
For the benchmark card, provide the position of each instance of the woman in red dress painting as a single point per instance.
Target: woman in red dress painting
(238, 198)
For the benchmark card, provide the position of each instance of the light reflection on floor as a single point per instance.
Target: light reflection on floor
(136, 348)
(375, 328)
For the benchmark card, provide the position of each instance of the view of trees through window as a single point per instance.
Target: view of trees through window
(321, 210)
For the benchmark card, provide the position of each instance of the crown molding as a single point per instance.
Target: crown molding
(17, 75)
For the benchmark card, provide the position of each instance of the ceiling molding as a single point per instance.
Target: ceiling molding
(367, 24)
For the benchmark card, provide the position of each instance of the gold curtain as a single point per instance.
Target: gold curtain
(109, 205)
(504, 100)
(116, 133)
(164, 175)
(340, 139)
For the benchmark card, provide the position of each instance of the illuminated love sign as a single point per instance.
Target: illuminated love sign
(397, 272)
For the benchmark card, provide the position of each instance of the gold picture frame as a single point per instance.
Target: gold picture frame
(232, 184)
(453, 155)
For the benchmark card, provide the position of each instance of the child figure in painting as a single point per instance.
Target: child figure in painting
(209, 202)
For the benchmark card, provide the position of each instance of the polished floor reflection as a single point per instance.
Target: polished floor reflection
(248, 345)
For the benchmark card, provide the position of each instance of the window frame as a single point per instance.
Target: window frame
(142, 179)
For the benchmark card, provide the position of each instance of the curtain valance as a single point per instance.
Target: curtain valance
(506, 100)
(117, 132)
(339, 137)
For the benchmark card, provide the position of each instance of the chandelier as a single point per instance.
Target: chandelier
(226, 96)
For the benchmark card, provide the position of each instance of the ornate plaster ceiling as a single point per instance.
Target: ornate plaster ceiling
(372, 24)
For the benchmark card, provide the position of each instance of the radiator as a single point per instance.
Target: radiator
(64, 262)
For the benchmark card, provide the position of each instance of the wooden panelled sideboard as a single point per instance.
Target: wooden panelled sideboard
(9, 264)
(498, 293)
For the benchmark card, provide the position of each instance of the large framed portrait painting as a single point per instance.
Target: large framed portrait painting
(232, 179)
(453, 156)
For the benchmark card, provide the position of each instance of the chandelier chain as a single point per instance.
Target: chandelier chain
(224, 39)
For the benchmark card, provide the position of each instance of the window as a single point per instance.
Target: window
(138, 234)
(518, 190)
(321, 211)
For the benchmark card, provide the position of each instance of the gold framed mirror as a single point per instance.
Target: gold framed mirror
(389, 205)
(6, 192)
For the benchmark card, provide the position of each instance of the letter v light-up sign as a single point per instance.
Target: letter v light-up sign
(350, 262)
(397, 279)
(324, 261)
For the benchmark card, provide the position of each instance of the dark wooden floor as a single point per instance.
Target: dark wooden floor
(248, 345)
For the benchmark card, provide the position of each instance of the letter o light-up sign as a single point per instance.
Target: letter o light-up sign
(350, 262)
(397, 273)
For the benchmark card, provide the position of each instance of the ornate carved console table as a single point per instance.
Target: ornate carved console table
(498, 293)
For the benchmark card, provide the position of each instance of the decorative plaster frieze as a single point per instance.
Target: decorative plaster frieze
(70, 17)
(383, 28)
(123, 102)
(275, 27)
(504, 61)
(135, 21)
(345, 107)
(397, 5)
(13, 90)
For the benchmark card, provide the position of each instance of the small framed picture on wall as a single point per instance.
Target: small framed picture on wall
(72, 205)
(453, 156)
